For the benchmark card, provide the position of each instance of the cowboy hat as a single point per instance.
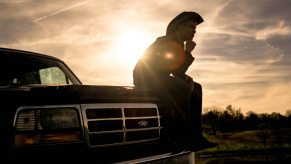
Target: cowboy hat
(184, 16)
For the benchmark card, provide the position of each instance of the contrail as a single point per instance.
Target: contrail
(60, 11)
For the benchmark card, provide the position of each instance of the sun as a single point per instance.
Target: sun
(130, 45)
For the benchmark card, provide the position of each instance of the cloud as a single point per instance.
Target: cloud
(259, 97)
(245, 56)
(277, 30)
(60, 11)
(14, 1)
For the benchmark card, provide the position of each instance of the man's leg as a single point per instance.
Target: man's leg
(174, 105)
(198, 141)
(195, 112)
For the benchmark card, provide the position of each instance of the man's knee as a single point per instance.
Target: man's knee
(197, 88)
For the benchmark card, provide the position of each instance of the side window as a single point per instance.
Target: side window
(53, 75)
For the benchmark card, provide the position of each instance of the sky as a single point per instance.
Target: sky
(243, 52)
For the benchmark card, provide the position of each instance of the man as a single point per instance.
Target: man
(162, 69)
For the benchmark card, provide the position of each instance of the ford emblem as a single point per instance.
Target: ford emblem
(143, 123)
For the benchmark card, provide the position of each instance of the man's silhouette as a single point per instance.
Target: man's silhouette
(162, 69)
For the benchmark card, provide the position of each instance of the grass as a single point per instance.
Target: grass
(245, 140)
(246, 147)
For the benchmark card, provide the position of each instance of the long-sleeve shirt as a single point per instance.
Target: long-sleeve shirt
(164, 60)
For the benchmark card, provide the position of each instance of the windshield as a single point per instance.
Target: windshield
(18, 70)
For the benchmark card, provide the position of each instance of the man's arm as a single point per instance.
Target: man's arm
(188, 61)
(189, 47)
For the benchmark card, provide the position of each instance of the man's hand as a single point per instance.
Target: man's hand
(190, 45)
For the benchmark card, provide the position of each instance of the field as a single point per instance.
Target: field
(247, 147)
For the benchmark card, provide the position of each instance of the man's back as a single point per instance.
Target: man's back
(163, 59)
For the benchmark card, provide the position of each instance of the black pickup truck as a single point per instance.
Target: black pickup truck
(47, 113)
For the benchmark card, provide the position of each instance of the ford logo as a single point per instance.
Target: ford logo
(143, 123)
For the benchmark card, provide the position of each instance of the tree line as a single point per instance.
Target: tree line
(267, 127)
(232, 119)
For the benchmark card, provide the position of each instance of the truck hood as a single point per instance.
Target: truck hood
(39, 94)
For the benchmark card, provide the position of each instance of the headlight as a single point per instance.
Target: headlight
(47, 125)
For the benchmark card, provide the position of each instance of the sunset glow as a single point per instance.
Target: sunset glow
(129, 46)
(242, 57)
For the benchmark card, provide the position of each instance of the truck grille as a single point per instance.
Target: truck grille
(121, 123)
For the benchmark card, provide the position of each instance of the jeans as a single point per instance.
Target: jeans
(184, 107)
